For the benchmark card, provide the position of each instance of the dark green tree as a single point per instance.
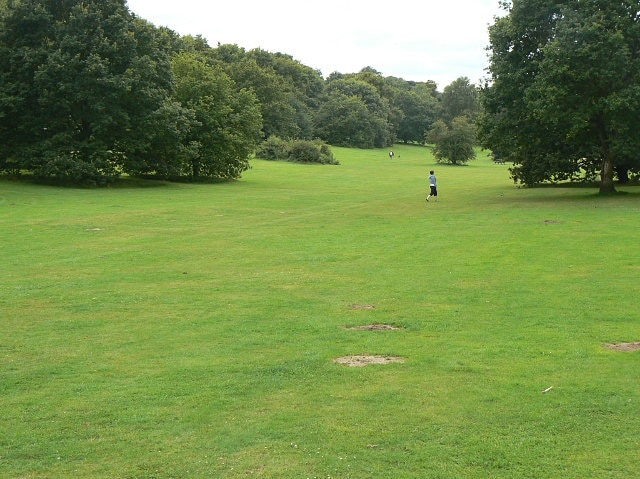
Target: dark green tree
(563, 97)
(227, 121)
(459, 98)
(419, 109)
(288, 91)
(80, 80)
(353, 114)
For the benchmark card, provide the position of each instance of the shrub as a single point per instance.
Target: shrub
(302, 151)
(273, 148)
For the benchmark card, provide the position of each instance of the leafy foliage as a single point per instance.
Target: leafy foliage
(90, 92)
(418, 109)
(354, 114)
(227, 122)
(564, 96)
(80, 82)
(287, 91)
(303, 151)
(273, 148)
(453, 144)
(460, 98)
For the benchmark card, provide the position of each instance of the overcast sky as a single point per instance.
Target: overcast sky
(439, 40)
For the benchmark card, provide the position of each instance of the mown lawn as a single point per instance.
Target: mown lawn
(157, 330)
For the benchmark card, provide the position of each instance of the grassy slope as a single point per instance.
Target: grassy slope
(189, 330)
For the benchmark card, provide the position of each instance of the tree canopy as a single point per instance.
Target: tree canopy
(89, 91)
(227, 122)
(80, 81)
(564, 96)
(453, 143)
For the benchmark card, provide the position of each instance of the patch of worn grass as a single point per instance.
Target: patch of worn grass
(191, 330)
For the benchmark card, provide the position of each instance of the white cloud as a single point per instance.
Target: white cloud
(438, 41)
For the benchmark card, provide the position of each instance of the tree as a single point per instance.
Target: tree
(353, 114)
(459, 98)
(453, 144)
(288, 91)
(564, 96)
(419, 110)
(80, 80)
(227, 121)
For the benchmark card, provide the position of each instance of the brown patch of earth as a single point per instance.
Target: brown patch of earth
(624, 346)
(373, 327)
(365, 360)
(362, 306)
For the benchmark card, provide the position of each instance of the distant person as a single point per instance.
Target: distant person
(433, 184)
(391, 155)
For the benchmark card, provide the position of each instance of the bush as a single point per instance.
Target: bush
(273, 148)
(302, 151)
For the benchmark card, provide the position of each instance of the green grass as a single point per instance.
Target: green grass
(187, 331)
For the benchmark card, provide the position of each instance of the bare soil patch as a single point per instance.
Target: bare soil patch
(373, 327)
(366, 360)
(362, 306)
(634, 346)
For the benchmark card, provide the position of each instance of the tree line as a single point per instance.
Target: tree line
(89, 91)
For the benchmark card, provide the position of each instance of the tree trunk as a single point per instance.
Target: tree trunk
(606, 174)
(195, 168)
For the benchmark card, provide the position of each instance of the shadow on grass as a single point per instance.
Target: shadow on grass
(124, 182)
(581, 191)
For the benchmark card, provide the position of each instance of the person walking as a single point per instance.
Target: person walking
(433, 184)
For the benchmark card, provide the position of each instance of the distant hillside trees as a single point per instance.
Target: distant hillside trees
(89, 92)
(460, 98)
(368, 110)
(353, 113)
(417, 108)
(288, 91)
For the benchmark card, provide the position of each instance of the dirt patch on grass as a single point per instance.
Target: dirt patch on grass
(373, 327)
(366, 360)
(362, 306)
(635, 346)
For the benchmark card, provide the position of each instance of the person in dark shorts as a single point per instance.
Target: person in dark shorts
(433, 184)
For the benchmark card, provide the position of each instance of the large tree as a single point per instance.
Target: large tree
(563, 96)
(459, 98)
(354, 114)
(287, 90)
(80, 81)
(227, 121)
(418, 106)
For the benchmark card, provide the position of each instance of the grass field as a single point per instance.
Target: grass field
(157, 330)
